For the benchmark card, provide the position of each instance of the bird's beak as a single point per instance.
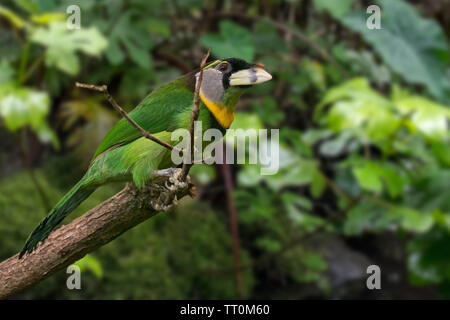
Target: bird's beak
(250, 76)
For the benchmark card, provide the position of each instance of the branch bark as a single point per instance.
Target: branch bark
(71, 242)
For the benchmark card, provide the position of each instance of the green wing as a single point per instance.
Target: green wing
(155, 114)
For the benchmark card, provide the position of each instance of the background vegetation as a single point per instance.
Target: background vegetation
(364, 141)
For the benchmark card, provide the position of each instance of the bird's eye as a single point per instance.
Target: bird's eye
(222, 67)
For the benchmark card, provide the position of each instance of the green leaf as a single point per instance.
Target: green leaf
(268, 111)
(315, 261)
(317, 185)
(313, 136)
(315, 72)
(159, 27)
(62, 45)
(367, 216)
(293, 171)
(63, 59)
(441, 150)
(245, 120)
(428, 258)
(232, 41)
(364, 63)
(140, 56)
(114, 54)
(371, 175)
(412, 46)
(203, 173)
(6, 71)
(268, 244)
(27, 5)
(393, 179)
(297, 208)
(47, 135)
(49, 17)
(267, 40)
(335, 147)
(20, 107)
(360, 109)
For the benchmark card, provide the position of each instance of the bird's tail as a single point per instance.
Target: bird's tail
(66, 205)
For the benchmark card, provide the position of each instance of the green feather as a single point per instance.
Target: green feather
(65, 206)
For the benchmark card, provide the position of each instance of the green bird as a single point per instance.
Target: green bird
(125, 155)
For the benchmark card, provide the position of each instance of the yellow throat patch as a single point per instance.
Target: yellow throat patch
(222, 114)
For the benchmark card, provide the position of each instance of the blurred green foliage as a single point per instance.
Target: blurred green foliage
(364, 144)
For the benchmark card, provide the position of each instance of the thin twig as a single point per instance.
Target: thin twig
(172, 60)
(145, 133)
(194, 116)
(32, 69)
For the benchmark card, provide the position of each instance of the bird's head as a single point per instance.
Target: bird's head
(223, 83)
